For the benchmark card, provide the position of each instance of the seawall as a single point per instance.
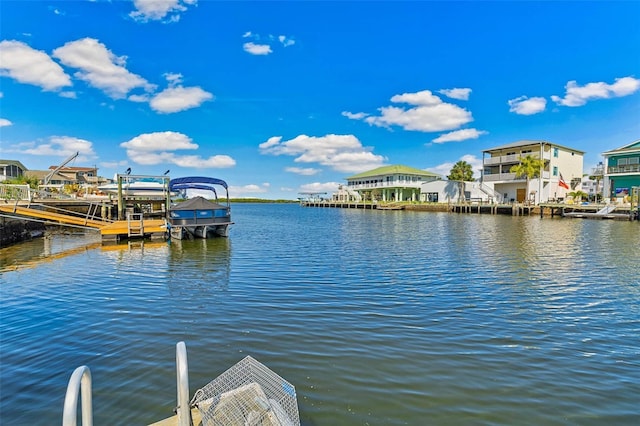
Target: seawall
(14, 231)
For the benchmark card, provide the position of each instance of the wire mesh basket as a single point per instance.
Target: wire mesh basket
(248, 394)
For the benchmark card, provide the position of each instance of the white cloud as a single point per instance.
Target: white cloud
(159, 141)
(139, 98)
(63, 146)
(173, 78)
(354, 116)
(257, 49)
(27, 65)
(4, 122)
(262, 45)
(68, 94)
(154, 148)
(579, 95)
(460, 135)
(158, 10)
(286, 41)
(309, 171)
(457, 93)
(424, 97)
(196, 162)
(247, 190)
(444, 169)
(343, 153)
(328, 187)
(179, 98)
(428, 114)
(100, 68)
(524, 105)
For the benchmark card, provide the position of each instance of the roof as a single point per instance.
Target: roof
(12, 163)
(197, 203)
(41, 174)
(632, 147)
(393, 170)
(526, 142)
(74, 169)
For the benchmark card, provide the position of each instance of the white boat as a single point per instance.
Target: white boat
(138, 188)
(248, 393)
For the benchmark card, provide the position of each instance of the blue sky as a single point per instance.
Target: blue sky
(279, 98)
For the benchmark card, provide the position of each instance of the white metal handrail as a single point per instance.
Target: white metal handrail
(182, 377)
(80, 381)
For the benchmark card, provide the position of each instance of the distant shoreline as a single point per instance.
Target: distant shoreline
(260, 200)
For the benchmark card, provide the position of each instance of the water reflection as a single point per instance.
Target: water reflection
(52, 247)
(200, 265)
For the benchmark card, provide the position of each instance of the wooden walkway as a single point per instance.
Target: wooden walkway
(138, 227)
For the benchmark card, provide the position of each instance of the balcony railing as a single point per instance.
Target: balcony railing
(499, 176)
(394, 184)
(514, 158)
(632, 168)
(488, 177)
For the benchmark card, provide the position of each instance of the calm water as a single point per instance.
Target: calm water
(377, 318)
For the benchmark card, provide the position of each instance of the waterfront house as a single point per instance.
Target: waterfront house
(448, 191)
(83, 176)
(11, 169)
(390, 183)
(591, 187)
(55, 180)
(559, 161)
(622, 170)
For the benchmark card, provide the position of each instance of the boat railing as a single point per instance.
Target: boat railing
(80, 381)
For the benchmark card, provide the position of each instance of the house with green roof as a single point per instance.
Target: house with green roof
(390, 183)
(622, 170)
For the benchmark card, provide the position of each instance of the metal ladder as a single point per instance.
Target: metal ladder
(81, 381)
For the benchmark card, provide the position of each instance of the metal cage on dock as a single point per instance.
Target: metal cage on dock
(248, 393)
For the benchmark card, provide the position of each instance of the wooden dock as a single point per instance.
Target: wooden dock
(588, 211)
(136, 226)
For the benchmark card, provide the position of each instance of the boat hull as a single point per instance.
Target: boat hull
(204, 232)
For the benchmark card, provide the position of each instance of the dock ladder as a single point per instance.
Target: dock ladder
(135, 227)
(81, 380)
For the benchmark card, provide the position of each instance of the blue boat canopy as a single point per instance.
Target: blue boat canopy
(195, 182)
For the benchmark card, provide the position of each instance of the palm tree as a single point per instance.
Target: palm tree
(529, 167)
(578, 195)
(461, 172)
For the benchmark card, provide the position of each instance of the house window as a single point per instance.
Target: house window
(555, 152)
(555, 170)
(432, 197)
(622, 161)
(634, 160)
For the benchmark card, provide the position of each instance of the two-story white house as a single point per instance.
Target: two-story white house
(558, 161)
(390, 183)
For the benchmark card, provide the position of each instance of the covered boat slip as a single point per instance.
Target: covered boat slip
(198, 217)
